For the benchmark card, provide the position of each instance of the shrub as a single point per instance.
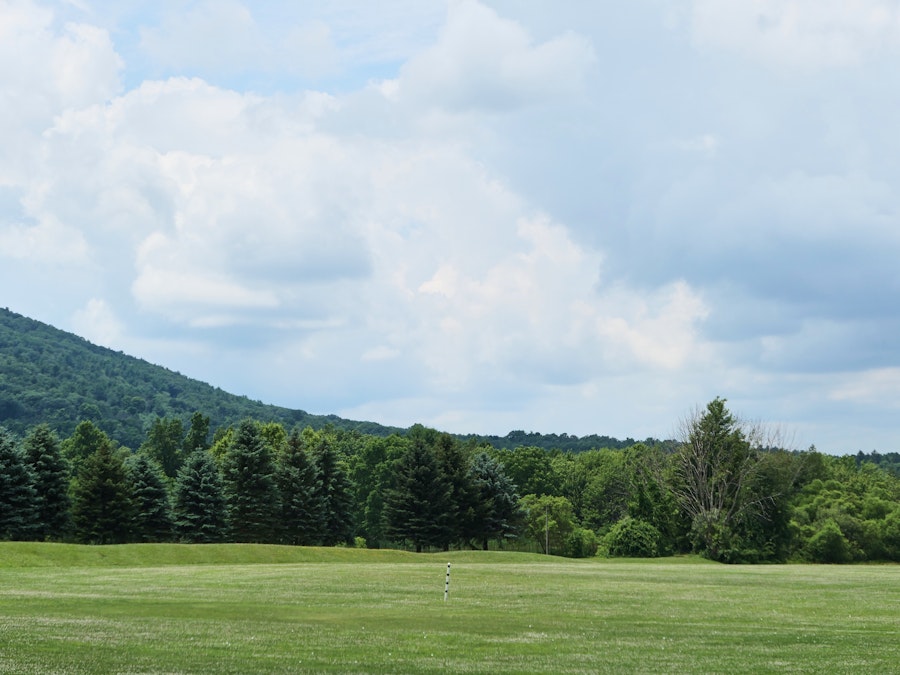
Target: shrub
(633, 538)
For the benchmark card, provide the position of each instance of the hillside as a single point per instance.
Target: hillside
(49, 375)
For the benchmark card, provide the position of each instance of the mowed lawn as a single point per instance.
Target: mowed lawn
(248, 609)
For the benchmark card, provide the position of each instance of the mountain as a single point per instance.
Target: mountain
(49, 375)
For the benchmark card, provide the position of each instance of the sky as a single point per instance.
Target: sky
(481, 216)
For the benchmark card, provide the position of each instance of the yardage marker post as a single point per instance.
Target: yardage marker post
(447, 583)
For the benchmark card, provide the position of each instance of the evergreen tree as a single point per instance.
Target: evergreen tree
(251, 490)
(418, 508)
(152, 508)
(199, 508)
(102, 509)
(51, 483)
(462, 509)
(333, 491)
(18, 515)
(302, 517)
(496, 504)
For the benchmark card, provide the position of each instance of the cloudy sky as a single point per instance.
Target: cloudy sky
(482, 216)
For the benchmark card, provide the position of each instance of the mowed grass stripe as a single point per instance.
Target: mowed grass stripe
(507, 613)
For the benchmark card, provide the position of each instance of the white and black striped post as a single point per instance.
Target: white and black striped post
(447, 583)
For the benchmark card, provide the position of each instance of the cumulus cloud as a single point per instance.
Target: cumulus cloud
(492, 217)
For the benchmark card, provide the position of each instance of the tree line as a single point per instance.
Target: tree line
(724, 490)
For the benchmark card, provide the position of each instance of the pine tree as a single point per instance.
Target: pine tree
(454, 466)
(199, 508)
(251, 490)
(18, 515)
(51, 483)
(102, 509)
(418, 508)
(152, 508)
(333, 491)
(302, 518)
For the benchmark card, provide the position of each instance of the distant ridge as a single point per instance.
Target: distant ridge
(49, 375)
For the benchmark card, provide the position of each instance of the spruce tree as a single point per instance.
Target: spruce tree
(152, 508)
(199, 506)
(418, 508)
(18, 515)
(251, 490)
(51, 483)
(497, 510)
(333, 491)
(302, 517)
(462, 508)
(102, 509)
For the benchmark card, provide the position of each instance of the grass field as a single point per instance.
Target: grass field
(258, 609)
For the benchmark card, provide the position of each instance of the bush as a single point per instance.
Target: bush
(581, 543)
(829, 545)
(633, 538)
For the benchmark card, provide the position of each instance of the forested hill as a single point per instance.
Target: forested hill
(48, 375)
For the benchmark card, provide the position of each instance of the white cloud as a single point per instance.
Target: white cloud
(799, 33)
(43, 71)
(97, 322)
(482, 61)
(45, 243)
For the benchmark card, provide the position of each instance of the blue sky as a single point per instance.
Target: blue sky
(482, 216)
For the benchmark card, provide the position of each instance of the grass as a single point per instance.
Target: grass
(261, 609)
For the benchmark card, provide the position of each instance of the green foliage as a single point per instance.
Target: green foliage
(582, 543)
(302, 512)
(549, 521)
(251, 489)
(332, 492)
(152, 509)
(85, 440)
(18, 515)
(102, 508)
(197, 437)
(51, 483)
(164, 443)
(199, 508)
(828, 544)
(371, 474)
(497, 514)
(418, 508)
(530, 469)
(633, 538)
